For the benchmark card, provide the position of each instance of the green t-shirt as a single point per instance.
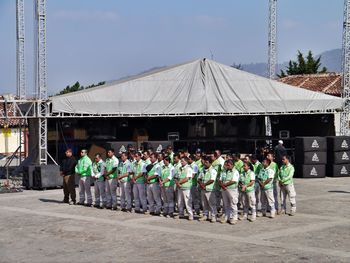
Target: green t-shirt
(286, 174)
(229, 175)
(207, 175)
(98, 169)
(125, 167)
(186, 172)
(274, 167)
(266, 174)
(139, 167)
(246, 178)
(84, 166)
(195, 169)
(112, 163)
(156, 170)
(168, 172)
(239, 165)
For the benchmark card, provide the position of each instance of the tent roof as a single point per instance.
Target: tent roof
(200, 87)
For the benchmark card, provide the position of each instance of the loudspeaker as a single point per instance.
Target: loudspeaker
(338, 143)
(338, 170)
(338, 157)
(47, 176)
(27, 180)
(310, 144)
(310, 171)
(311, 158)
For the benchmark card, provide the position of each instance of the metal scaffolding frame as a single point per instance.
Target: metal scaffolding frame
(41, 76)
(344, 117)
(272, 41)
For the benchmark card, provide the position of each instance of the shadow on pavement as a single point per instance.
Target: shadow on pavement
(50, 201)
(340, 192)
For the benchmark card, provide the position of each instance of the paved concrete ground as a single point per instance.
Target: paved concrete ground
(36, 227)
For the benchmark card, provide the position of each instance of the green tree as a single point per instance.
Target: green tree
(76, 86)
(310, 65)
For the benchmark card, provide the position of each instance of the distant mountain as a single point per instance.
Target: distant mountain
(330, 59)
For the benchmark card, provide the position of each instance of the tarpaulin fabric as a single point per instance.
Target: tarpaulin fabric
(198, 87)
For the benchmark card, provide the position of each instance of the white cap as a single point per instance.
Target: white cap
(280, 142)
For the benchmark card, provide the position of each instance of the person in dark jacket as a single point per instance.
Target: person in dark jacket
(68, 174)
(280, 151)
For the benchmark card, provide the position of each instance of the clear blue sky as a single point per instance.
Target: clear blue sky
(96, 40)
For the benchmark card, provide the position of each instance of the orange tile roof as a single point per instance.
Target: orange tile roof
(328, 83)
(9, 122)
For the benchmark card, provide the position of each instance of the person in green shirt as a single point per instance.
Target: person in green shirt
(83, 170)
(265, 179)
(184, 185)
(97, 174)
(111, 174)
(238, 163)
(228, 182)
(218, 165)
(257, 167)
(196, 201)
(124, 178)
(285, 178)
(207, 182)
(246, 185)
(167, 183)
(154, 171)
(276, 190)
(139, 189)
(170, 153)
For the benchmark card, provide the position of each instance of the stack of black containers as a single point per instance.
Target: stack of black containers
(310, 157)
(338, 164)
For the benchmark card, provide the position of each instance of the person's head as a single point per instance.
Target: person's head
(138, 156)
(145, 155)
(69, 153)
(154, 157)
(167, 160)
(247, 166)
(130, 148)
(198, 154)
(110, 153)
(160, 157)
(247, 158)
(266, 162)
(97, 157)
(124, 156)
(169, 149)
(184, 161)
(253, 159)
(83, 152)
(228, 165)
(186, 153)
(191, 158)
(285, 159)
(207, 161)
(236, 157)
(270, 156)
(177, 158)
(229, 156)
(280, 142)
(218, 153)
(150, 151)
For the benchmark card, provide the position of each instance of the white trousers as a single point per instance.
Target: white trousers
(267, 200)
(209, 203)
(249, 200)
(184, 199)
(168, 199)
(100, 192)
(139, 191)
(111, 192)
(153, 197)
(85, 188)
(230, 199)
(125, 195)
(288, 190)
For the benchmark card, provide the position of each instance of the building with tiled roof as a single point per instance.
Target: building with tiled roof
(328, 83)
(9, 122)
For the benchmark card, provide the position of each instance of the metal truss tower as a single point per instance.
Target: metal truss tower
(40, 76)
(272, 63)
(344, 117)
(21, 77)
(272, 56)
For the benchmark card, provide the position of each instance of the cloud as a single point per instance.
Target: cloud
(86, 15)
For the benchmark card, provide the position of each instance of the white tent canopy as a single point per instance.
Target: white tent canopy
(200, 87)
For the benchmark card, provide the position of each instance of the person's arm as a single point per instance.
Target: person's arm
(290, 174)
(234, 179)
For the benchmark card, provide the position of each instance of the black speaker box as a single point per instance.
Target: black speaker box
(338, 157)
(310, 171)
(338, 143)
(27, 180)
(338, 170)
(47, 176)
(310, 144)
(311, 158)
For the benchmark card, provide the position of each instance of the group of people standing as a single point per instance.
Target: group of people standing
(203, 184)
